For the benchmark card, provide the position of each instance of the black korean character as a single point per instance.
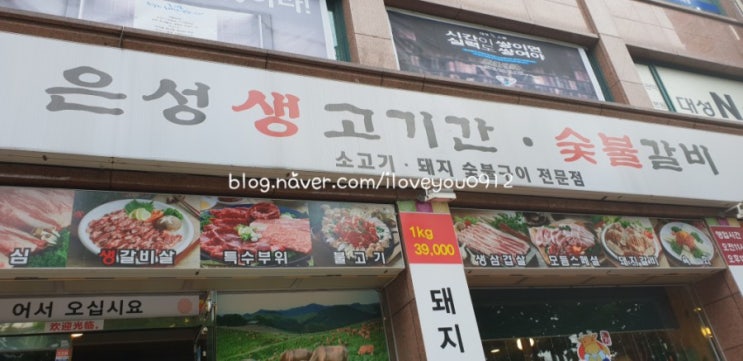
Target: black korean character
(426, 165)
(95, 308)
(201, 93)
(523, 173)
(706, 108)
(577, 178)
(366, 161)
(135, 306)
(74, 308)
(470, 170)
(19, 256)
(447, 339)
(343, 161)
(697, 156)
(349, 127)
(409, 118)
(45, 309)
(482, 128)
(687, 104)
(115, 307)
(22, 309)
(443, 302)
(387, 161)
(664, 160)
(561, 177)
(489, 172)
(445, 167)
(546, 176)
(75, 76)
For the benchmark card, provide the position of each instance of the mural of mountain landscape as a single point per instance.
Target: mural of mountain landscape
(343, 325)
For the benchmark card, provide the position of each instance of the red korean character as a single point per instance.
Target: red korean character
(283, 105)
(621, 152)
(575, 149)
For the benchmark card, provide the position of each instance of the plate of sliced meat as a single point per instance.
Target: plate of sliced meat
(260, 234)
(36, 221)
(493, 238)
(135, 224)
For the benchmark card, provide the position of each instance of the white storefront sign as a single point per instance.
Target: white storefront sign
(96, 308)
(114, 108)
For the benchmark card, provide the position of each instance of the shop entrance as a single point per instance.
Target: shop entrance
(182, 344)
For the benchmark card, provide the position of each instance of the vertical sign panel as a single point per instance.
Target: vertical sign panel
(442, 296)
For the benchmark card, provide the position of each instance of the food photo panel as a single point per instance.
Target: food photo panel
(253, 232)
(687, 243)
(566, 240)
(354, 234)
(34, 226)
(118, 229)
(629, 241)
(499, 239)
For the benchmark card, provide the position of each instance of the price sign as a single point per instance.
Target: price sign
(429, 238)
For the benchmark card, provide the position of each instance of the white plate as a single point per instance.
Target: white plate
(186, 231)
(608, 250)
(686, 257)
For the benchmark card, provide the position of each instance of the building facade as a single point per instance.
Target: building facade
(559, 124)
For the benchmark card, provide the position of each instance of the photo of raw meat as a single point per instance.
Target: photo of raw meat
(33, 226)
(493, 238)
(259, 234)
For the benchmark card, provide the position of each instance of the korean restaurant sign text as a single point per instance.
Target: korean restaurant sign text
(96, 308)
(84, 102)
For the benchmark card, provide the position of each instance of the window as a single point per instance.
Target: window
(295, 26)
(447, 49)
(710, 6)
(570, 324)
(690, 93)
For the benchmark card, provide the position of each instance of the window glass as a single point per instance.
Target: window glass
(597, 324)
(710, 6)
(651, 86)
(697, 94)
(296, 26)
(442, 48)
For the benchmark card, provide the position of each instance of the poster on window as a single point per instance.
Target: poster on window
(296, 26)
(703, 95)
(329, 325)
(435, 47)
